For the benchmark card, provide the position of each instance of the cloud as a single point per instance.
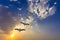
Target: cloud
(1, 31)
(29, 19)
(41, 8)
(6, 21)
(14, 0)
(9, 19)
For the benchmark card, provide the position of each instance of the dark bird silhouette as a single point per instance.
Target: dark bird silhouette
(20, 29)
(24, 23)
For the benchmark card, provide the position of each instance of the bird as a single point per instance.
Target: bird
(19, 29)
(24, 23)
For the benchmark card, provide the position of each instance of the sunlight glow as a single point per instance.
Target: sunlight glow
(20, 26)
(12, 35)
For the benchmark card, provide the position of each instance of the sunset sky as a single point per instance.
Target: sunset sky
(43, 17)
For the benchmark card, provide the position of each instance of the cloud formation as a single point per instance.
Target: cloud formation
(38, 7)
(41, 8)
(6, 21)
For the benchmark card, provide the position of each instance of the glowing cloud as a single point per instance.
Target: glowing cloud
(41, 8)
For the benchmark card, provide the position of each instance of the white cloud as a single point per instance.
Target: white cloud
(19, 9)
(1, 5)
(41, 9)
(6, 6)
(52, 10)
(55, 3)
(13, 0)
(44, 1)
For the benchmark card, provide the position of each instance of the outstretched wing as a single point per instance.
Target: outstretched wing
(20, 29)
(24, 23)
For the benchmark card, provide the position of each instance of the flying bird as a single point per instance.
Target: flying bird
(24, 23)
(20, 29)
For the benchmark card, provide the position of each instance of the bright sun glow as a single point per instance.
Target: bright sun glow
(12, 35)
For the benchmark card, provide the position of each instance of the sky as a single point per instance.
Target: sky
(43, 17)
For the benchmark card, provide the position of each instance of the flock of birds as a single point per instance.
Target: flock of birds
(37, 11)
(20, 29)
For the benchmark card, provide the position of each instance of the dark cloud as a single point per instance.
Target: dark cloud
(6, 21)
